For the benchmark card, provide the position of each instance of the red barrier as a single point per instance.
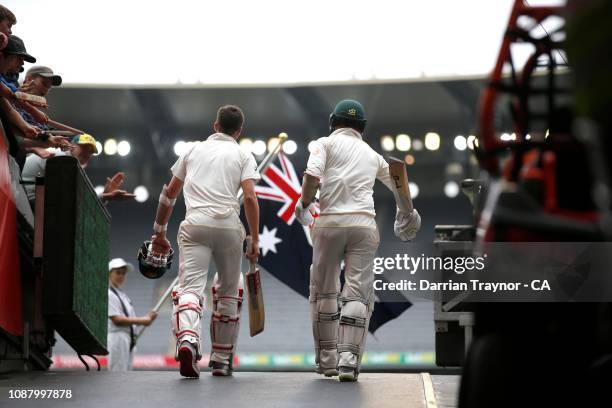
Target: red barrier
(490, 146)
(11, 312)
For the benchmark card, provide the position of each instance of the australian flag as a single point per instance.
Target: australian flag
(286, 245)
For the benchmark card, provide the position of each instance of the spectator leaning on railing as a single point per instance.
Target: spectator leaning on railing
(12, 121)
(19, 132)
(15, 55)
(28, 120)
(83, 148)
(38, 81)
(23, 122)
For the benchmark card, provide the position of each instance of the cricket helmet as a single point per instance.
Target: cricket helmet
(349, 112)
(153, 266)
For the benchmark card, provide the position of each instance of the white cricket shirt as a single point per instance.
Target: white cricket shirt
(212, 171)
(347, 168)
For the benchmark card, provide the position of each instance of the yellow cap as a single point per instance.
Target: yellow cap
(86, 139)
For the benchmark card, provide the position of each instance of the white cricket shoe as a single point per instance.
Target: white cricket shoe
(347, 374)
(328, 372)
(187, 357)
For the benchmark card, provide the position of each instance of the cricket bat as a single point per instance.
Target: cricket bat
(397, 171)
(257, 316)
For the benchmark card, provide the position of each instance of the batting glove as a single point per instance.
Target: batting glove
(406, 225)
(304, 215)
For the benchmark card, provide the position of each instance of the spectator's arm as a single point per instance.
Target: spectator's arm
(61, 126)
(128, 321)
(167, 199)
(15, 118)
(53, 141)
(112, 191)
(27, 144)
(251, 210)
(42, 153)
(6, 92)
(38, 115)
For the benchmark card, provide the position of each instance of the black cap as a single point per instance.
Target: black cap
(16, 46)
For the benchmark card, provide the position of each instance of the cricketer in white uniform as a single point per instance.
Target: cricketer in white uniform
(122, 319)
(211, 173)
(344, 168)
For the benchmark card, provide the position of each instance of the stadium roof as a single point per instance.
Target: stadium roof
(262, 42)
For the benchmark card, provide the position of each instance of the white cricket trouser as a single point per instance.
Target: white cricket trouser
(201, 239)
(340, 322)
(120, 357)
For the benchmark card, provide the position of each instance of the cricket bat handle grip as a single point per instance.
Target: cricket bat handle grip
(249, 247)
(404, 203)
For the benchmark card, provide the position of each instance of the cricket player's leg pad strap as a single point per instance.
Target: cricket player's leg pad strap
(328, 295)
(224, 318)
(328, 344)
(328, 317)
(347, 299)
(327, 302)
(354, 313)
(228, 305)
(351, 348)
(215, 287)
(353, 321)
(189, 306)
(222, 348)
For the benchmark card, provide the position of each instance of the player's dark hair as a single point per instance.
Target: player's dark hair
(230, 119)
(357, 125)
(7, 14)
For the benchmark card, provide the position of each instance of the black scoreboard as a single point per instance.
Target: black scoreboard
(75, 257)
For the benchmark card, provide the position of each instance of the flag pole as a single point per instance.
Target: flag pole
(265, 163)
(262, 167)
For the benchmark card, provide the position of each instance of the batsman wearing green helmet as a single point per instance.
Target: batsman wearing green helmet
(344, 168)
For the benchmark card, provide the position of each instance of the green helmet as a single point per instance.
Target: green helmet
(349, 112)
